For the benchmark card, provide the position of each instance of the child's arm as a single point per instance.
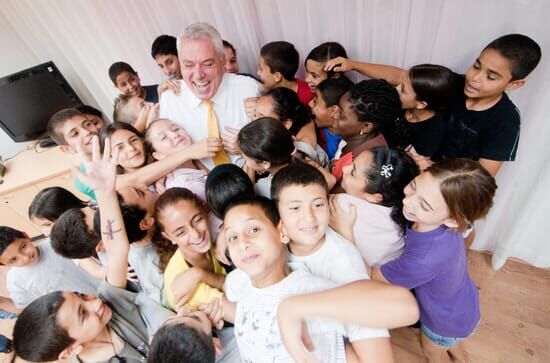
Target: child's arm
(393, 75)
(330, 179)
(92, 267)
(7, 304)
(341, 221)
(185, 284)
(101, 176)
(390, 306)
(150, 173)
(492, 166)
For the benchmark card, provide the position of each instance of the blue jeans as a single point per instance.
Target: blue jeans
(446, 342)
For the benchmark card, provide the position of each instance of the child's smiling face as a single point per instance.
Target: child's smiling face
(254, 243)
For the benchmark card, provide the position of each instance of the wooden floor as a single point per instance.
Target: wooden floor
(515, 316)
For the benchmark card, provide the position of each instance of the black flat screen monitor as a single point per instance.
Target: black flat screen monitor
(29, 98)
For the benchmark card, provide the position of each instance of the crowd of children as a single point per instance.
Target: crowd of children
(341, 216)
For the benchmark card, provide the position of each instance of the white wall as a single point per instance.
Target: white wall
(16, 56)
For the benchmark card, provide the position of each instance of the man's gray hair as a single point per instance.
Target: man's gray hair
(202, 31)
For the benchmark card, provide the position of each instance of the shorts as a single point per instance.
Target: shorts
(446, 342)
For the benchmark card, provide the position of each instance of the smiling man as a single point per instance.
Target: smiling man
(211, 102)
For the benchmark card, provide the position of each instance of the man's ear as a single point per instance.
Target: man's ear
(158, 156)
(513, 85)
(67, 149)
(287, 123)
(278, 77)
(146, 223)
(68, 353)
(451, 223)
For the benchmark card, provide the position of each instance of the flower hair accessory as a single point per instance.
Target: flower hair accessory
(387, 168)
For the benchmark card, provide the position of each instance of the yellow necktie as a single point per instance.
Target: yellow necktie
(213, 131)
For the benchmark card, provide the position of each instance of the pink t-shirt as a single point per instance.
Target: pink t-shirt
(377, 237)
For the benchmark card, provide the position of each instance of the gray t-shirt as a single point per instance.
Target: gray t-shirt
(145, 260)
(50, 273)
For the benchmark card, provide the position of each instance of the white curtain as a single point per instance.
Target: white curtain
(83, 37)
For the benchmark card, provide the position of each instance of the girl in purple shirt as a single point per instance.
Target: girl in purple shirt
(440, 203)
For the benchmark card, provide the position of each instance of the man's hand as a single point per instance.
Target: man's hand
(214, 311)
(230, 142)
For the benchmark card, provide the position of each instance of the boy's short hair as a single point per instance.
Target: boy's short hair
(132, 215)
(117, 68)
(266, 205)
(164, 45)
(174, 341)
(225, 183)
(89, 110)
(226, 44)
(56, 122)
(332, 89)
(120, 111)
(281, 57)
(523, 53)
(298, 173)
(9, 235)
(70, 236)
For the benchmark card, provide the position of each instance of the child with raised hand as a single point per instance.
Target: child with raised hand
(283, 104)
(164, 138)
(263, 279)
(277, 67)
(373, 185)
(366, 111)
(440, 203)
(127, 82)
(68, 325)
(192, 274)
(484, 124)
(266, 146)
(133, 156)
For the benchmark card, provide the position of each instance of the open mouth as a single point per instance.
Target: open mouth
(469, 88)
(201, 85)
(310, 230)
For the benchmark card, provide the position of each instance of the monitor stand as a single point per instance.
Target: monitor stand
(46, 143)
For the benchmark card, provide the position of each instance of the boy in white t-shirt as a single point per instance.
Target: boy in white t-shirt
(263, 280)
(37, 270)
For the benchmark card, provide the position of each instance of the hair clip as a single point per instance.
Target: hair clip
(387, 168)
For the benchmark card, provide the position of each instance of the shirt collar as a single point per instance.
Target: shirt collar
(220, 98)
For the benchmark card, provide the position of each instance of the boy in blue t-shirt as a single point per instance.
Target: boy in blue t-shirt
(127, 81)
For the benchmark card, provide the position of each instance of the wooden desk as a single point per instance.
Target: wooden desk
(27, 173)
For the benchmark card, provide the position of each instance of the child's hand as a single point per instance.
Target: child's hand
(100, 169)
(230, 142)
(205, 148)
(249, 106)
(214, 312)
(423, 162)
(339, 64)
(170, 84)
(341, 221)
(185, 284)
(160, 185)
(221, 248)
(153, 114)
(132, 275)
(294, 334)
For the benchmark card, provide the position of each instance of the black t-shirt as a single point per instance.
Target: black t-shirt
(490, 134)
(426, 136)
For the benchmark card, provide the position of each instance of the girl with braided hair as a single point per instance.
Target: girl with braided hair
(368, 109)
